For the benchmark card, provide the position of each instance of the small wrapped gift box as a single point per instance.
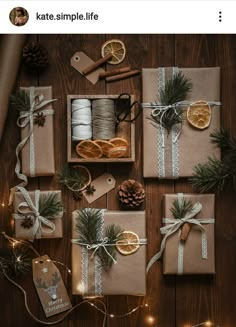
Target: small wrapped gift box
(195, 255)
(33, 214)
(174, 154)
(37, 154)
(127, 276)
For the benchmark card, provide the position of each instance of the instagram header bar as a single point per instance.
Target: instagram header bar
(117, 17)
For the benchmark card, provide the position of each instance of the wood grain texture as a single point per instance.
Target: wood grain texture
(174, 301)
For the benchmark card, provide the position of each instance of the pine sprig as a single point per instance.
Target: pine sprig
(73, 177)
(50, 205)
(181, 208)
(175, 90)
(88, 226)
(20, 100)
(215, 174)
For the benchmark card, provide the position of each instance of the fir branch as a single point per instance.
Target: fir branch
(211, 176)
(16, 261)
(20, 100)
(181, 208)
(215, 174)
(73, 178)
(50, 205)
(175, 90)
(88, 226)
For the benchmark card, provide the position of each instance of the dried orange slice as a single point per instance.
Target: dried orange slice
(105, 145)
(117, 152)
(117, 48)
(199, 114)
(89, 150)
(118, 141)
(128, 243)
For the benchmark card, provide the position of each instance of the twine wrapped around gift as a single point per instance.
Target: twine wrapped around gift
(29, 208)
(174, 225)
(168, 147)
(91, 267)
(37, 103)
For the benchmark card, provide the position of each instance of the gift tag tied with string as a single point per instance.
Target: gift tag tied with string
(50, 287)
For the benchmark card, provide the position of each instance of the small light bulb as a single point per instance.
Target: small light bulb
(69, 271)
(18, 259)
(150, 320)
(208, 323)
(112, 316)
(146, 305)
(3, 205)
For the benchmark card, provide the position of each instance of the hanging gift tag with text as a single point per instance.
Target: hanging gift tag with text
(100, 186)
(50, 287)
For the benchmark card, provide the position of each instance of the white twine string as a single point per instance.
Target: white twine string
(104, 243)
(103, 119)
(34, 209)
(81, 120)
(159, 110)
(173, 225)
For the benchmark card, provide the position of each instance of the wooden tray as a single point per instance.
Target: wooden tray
(125, 130)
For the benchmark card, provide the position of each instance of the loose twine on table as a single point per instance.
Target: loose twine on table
(81, 120)
(104, 121)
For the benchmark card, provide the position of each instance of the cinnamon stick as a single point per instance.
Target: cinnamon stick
(96, 64)
(121, 76)
(185, 231)
(114, 72)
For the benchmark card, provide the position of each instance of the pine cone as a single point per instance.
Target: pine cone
(131, 193)
(35, 55)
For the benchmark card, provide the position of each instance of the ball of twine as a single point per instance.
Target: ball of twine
(103, 112)
(81, 120)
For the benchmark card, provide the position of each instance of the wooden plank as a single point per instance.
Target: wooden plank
(144, 51)
(207, 297)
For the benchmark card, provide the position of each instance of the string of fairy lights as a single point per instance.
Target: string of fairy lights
(150, 320)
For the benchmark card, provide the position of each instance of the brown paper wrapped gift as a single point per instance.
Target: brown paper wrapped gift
(40, 161)
(180, 153)
(127, 276)
(19, 209)
(192, 253)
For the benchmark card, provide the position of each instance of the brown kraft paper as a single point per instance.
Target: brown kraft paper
(24, 233)
(43, 140)
(10, 58)
(192, 262)
(194, 145)
(128, 276)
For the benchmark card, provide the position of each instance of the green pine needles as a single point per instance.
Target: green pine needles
(20, 101)
(181, 208)
(176, 90)
(89, 224)
(74, 177)
(50, 205)
(215, 174)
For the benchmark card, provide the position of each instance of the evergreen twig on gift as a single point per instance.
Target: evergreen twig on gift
(175, 90)
(50, 205)
(88, 225)
(215, 174)
(181, 208)
(20, 101)
(75, 178)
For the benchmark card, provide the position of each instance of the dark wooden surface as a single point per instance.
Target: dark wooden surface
(174, 301)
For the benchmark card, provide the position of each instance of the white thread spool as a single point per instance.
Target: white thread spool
(103, 111)
(81, 119)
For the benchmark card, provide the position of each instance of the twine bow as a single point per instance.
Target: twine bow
(39, 220)
(173, 225)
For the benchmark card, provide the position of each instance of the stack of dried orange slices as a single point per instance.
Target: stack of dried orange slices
(114, 148)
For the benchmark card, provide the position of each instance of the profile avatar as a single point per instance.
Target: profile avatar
(19, 16)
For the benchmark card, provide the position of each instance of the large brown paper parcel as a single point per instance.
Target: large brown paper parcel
(24, 233)
(193, 145)
(128, 276)
(192, 260)
(43, 138)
